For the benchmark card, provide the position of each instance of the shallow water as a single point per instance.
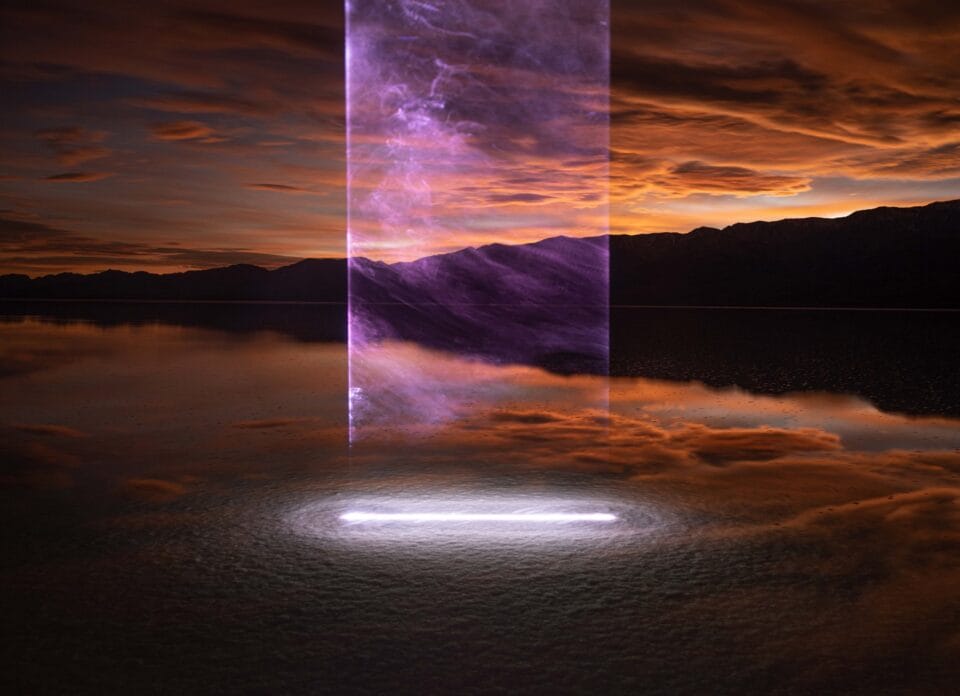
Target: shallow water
(173, 480)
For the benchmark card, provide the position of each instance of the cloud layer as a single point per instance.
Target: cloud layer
(801, 107)
(192, 122)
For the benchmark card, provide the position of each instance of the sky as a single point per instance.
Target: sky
(193, 134)
(471, 123)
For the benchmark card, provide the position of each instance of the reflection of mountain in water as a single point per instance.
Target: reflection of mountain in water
(900, 361)
(299, 321)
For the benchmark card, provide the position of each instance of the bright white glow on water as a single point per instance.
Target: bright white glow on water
(420, 517)
(396, 516)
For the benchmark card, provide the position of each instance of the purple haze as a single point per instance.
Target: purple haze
(541, 304)
(469, 122)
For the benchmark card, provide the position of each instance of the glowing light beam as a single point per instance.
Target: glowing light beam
(526, 517)
(470, 124)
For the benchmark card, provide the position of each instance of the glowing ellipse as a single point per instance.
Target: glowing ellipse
(477, 517)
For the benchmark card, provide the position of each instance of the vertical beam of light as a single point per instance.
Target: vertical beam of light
(348, 82)
(473, 124)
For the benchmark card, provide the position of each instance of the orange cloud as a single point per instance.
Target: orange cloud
(49, 429)
(78, 177)
(154, 490)
(73, 145)
(713, 123)
(268, 423)
(277, 188)
(751, 444)
(184, 130)
(844, 100)
(35, 248)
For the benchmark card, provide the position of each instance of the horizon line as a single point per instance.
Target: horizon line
(294, 262)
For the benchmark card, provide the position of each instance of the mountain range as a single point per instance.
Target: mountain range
(884, 257)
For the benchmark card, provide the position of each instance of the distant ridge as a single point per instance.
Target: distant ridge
(884, 257)
(316, 280)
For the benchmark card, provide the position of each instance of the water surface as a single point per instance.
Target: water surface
(786, 486)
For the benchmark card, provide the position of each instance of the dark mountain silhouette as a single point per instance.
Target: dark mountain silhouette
(312, 280)
(885, 257)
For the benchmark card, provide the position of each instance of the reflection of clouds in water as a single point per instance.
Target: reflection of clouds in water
(157, 401)
(260, 406)
(404, 388)
(796, 530)
(153, 490)
(48, 429)
(229, 405)
(898, 556)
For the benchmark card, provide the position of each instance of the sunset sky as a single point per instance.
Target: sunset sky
(191, 134)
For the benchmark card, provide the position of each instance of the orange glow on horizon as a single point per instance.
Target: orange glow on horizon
(186, 149)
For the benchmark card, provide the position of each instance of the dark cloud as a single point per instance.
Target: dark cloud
(518, 198)
(800, 93)
(153, 490)
(718, 446)
(39, 456)
(278, 188)
(48, 429)
(527, 417)
(14, 231)
(718, 106)
(74, 145)
(204, 103)
(846, 72)
(942, 161)
(37, 248)
(270, 423)
(306, 36)
(698, 177)
(764, 83)
(134, 86)
(184, 130)
(78, 177)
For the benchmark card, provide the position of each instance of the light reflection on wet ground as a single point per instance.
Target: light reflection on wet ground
(171, 500)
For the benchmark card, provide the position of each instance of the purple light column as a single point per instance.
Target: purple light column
(473, 123)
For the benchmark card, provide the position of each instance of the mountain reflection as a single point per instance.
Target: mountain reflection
(899, 361)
